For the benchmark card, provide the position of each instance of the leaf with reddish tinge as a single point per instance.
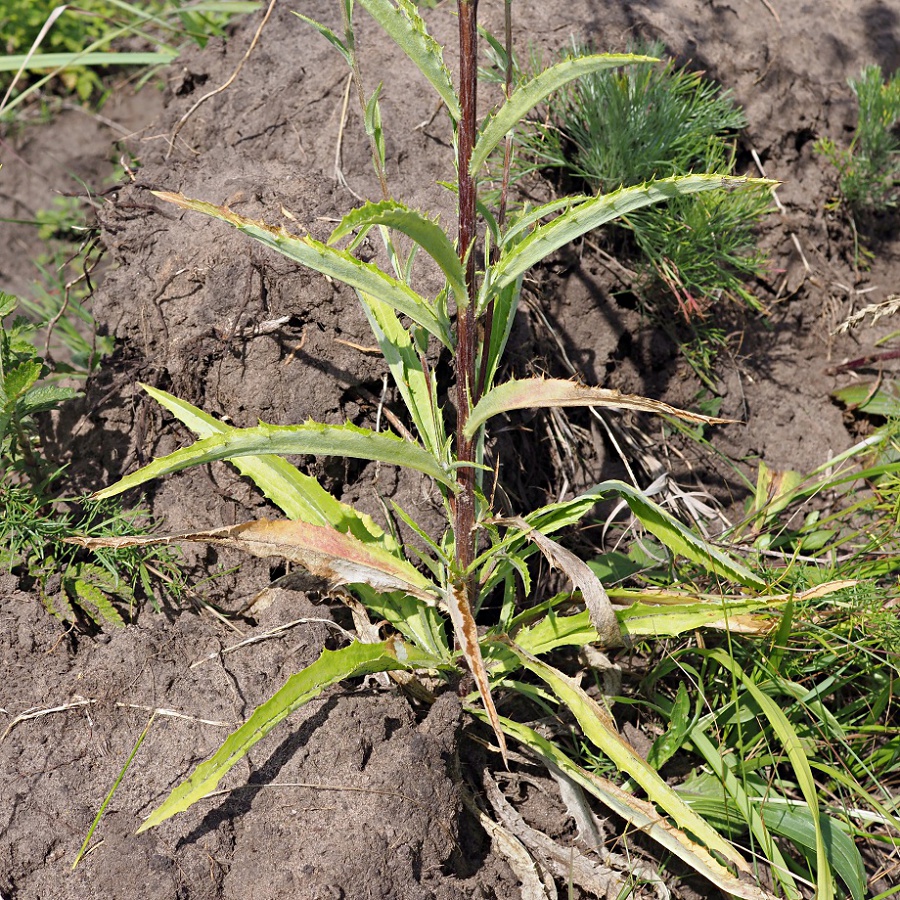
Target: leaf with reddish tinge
(460, 610)
(337, 557)
(532, 393)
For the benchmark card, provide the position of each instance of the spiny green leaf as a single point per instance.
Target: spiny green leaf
(331, 667)
(427, 234)
(524, 98)
(407, 29)
(329, 261)
(297, 495)
(532, 393)
(311, 438)
(679, 538)
(589, 214)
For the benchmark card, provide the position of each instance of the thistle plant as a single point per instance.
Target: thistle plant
(432, 595)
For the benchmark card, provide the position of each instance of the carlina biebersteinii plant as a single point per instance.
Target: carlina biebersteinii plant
(432, 606)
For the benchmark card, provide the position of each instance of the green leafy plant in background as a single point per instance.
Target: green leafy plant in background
(43, 39)
(35, 522)
(464, 586)
(57, 301)
(870, 167)
(624, 126)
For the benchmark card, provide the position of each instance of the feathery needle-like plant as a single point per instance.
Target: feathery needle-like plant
(480, 553)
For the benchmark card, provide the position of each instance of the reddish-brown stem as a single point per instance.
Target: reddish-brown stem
(464, 524)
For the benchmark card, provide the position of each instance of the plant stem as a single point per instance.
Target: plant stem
(464, 525)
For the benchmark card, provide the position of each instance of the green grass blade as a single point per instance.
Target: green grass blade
(638, 813)
(599, 728)
(408, 369)
(297, 495)
(407, 29)
(312, 438)
(796, 824)
(112, 791)
(329, 261)
(797, 756)
(592, 213)
(427, 234)
(42, 61)
(330, 668)
(526, 97)
(680, 539)
(533, 393)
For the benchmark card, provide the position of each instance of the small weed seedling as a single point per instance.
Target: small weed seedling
(870, 167)
(434, 596)
(34, 523)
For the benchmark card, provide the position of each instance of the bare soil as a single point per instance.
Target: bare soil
(362, 794)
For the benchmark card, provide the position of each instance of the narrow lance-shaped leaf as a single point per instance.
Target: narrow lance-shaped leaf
(427, 234)
(680, 539)
(331, 667)
(534, 393)
(329, 554)
(329, 36)
(407, 29)
(596, 211)
(329, 261)
(408, 370)
(311, 438)
(601, 731)
(526, 97)
(30, 62)
(297, 495)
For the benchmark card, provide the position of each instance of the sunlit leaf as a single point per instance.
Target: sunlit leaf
(297, 495)
(426, 233)
(642, 816)
(329, 261)
(407, 28)
(331, 667)
(599, 728)
(312, 438)
(524, 98)
(586, 215)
